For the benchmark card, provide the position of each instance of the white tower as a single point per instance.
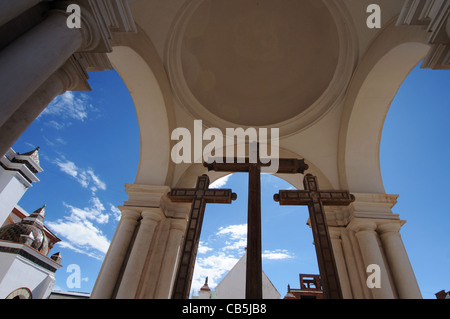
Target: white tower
(17, 173)
(26, 271)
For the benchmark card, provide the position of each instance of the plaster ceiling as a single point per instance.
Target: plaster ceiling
(258, 62)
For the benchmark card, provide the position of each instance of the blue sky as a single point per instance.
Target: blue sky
(90, 148)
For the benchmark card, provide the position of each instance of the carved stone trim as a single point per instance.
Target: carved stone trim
(434, 16)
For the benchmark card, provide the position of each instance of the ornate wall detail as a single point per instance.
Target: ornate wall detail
(434, 17)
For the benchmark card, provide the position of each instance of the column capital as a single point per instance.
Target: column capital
(90, 33)
(175, 210)
(374, 202)
(178, 225)
(366, 205)
(129, 213)
(145, 195)
(73, 76)
(100, 19)
(153, 215)
(360, 225)
(392, 228)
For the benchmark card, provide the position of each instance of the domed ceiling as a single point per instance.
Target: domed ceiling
(257, 62)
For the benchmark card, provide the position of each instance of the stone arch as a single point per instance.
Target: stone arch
(151, 110)
(376, 82)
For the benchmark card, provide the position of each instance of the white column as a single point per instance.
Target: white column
(139, 252)
(9, 9)
(109, 273)
(31, 59)
(400, 266)
(358, 290)
(335, 235)
(66, 78)
(17, 124)
(170, 262)
(371, 253)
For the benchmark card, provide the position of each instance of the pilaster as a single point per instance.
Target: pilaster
(372, 255)
(338, 252)
(402, 272)
(110, 272)
(146, 267)
(150, 219)
(369, 234)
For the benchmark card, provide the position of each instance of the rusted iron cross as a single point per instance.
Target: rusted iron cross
(316, 199)
(253, 285)
(199, 196)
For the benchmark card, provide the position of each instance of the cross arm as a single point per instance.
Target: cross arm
(304, 197)
(228, 164)
(220, 196)
(292, 197)
(182, 195)
(336, 198)
(187, 195)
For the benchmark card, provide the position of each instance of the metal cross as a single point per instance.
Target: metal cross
(316, 199)
(253, 286)
(199, 196)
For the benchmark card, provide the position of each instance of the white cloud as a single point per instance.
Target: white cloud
(115, 212)
(202, 249)
(96, 180)
(220, 182)
(55, 124)
(222, 251)
(69, 105)
(67, 167)
(277, 254)
(66, 245)
(79, 228)
(86, 177)
(234, 231)
(81, 236)
(214, 267)
(95, 212)
(61, 141)
(214, 263)
(236, 245)
(80, 231)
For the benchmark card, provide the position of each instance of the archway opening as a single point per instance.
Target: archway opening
(287, 241)
(380, 80)
(89, 148)
(414, 157)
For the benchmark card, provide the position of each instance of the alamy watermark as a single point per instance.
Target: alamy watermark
(373, 20)
(74, 279)
(74, 19)
(374, 279)
(189, 148)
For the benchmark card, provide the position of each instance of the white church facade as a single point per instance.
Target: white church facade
(27, 270)
(323, 72)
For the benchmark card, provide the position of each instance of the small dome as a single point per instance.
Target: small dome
(29, 231)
